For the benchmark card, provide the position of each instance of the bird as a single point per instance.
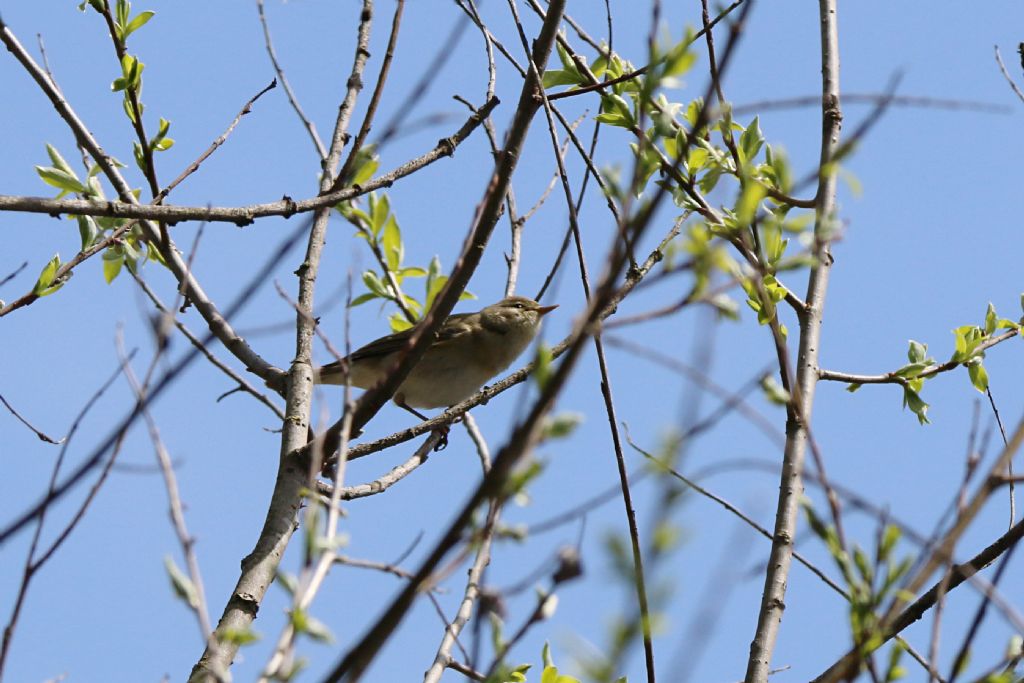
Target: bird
(469, 349)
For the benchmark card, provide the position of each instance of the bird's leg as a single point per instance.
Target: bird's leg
(442, 430)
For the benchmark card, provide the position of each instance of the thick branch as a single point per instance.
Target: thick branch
(791, 487)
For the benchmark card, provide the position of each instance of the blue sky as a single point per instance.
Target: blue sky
(930, 239)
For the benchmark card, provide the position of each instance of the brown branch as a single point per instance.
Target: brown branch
(176, 509)
(260, 567)
(166, 380)
(931, 371)
(136, 109)
(1006, 75)
(243, 215)
(39, 434)
(65, 270)
(790, 487)
(378, 90)
(13, 274)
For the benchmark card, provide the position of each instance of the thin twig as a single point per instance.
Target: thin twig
(13, 274)
(33, 563)
(66, 269)
(443, 658)
(243, 215)
(1010, 479)
(894, 378)
(243, 384)
(194, 166)
(40, 435)
(378, 90)
(873, 99)
(306, 122)
(446, 49)
(1006, 75)
(197, 603)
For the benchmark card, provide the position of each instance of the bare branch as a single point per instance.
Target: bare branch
(194, 166)
(40, 435)
(790, 487)
(1006, 75)
(894, 378)
(309, 125)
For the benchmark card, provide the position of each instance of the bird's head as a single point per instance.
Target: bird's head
(515, 313)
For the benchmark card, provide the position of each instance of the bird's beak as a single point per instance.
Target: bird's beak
(544, 310)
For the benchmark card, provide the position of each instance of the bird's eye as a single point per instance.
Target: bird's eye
(517, 305)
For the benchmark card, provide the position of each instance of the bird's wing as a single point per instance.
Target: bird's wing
(383, 346)
(453, 328)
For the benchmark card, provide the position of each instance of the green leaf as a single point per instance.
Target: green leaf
(44, 285)
(854, 386)
(749, 200)
(362, 299)
(990, 319)
(679, 59)
(314, 628)
(113, 259)
(411, 271)
(363, 167)
(774, 392)
(890, 538)
(380, 209)
(399, 322)
(751, 140)
(912, 400)
(132, 69)
(860, 560)
(375, 285)
(917, 352)
(561, 425)
(62, 180)
(58, 161)
(245, 636)
(615, 111)
(556, 77)
(392, 243)
(978, 375)
(87, 230)
(182, 585)
(435, 282)
(289, 582)
(545, 655)
(138, 22)
(497, 631)
(563, 56)
(542, 365)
